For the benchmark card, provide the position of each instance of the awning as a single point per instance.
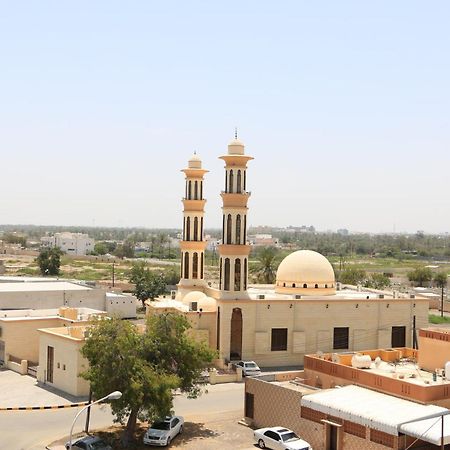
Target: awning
(378, 411)
(429, 430)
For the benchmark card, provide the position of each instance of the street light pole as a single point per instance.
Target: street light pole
(113, 396)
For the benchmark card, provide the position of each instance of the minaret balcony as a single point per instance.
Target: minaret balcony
(232, 199)
(193, 205)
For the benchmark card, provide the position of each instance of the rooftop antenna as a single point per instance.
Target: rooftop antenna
(235, 133)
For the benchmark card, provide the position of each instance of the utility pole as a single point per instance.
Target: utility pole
(88, 413)
(113, 280)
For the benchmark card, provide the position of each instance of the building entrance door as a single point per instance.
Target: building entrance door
(236, 335)
(333, 437)
(2, 353)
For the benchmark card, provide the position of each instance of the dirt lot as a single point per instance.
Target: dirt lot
(208, 432)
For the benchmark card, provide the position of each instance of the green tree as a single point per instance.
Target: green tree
(100, 248)
(420, 275)
(377, 281)
(146, 367)
(148, 284)
(267, 266)
(352, 275)
(49, 261)
(440, 279)
(125, 250)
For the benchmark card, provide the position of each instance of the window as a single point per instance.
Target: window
(220, 274)
(201, 265)
(238, 187)
(186, 265)
(226, 283)
(316, 286)
(238, 229)
(340, 338)
(195, 229)
(237, 275)
(194, 306)
(249, 405)
(50, 362)
(279, 339)
(195, 266)
(398, 337)
(230, 183)
(272, 435)
(245, 274)
(188, 229)
(190, 190)
(229, 229)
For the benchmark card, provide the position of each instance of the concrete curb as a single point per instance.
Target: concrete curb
(34, 408)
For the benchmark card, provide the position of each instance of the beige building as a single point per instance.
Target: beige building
(19, 335)
(60, 360)
(276, 325)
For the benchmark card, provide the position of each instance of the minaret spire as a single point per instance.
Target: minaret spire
(193, 244)
(235, 133)
(234, 249)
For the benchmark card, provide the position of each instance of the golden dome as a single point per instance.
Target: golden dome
(195, 162)
(306, 273)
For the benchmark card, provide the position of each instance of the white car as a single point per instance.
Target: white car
(279, 438)
(162, 432)
(249, 368)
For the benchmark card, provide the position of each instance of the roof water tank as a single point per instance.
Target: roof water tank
(447, 370)
(361, 361)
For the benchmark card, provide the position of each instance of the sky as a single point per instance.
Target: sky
(345, 107)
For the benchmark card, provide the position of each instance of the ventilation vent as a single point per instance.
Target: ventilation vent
(260, 296)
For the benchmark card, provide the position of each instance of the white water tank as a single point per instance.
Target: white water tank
(361, 361)
(447, 370)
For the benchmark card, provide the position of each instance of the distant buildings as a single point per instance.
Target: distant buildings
(78, 244)
(263, 240)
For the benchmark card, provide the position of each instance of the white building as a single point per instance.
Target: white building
(70, 243)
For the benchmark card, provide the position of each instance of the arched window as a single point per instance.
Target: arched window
(245, 274)
(229, 229)
(195, 266)
(244, 236)
(237, 275)
(195, 229)
(201, 265)
(184, 228)
(186, 265)
(201, 190)
(223, 229)
(188, 229)
(326, 286)
(230, 182)
(220, 274)
(195, 190)
(238, 182)
(245, 180)
(182, 265)
(201, 229)
(316, 286)
(238, 229)
(305, 285)
(226, 281)
(226, 181)
(186, 191)
(293, 284)
(284, 284)
(189, 196)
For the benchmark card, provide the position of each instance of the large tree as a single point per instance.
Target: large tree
(420, 275)
(352, 275)
(440, 279)
(267, 264)
(49, 261)
(148, 284)
(146, 367)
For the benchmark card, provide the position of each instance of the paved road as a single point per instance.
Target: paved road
(33, 430)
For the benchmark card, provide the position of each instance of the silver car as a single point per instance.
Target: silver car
(89, 443)
(162, 432)
(249, 368)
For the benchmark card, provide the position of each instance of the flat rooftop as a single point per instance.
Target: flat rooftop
(42, 287)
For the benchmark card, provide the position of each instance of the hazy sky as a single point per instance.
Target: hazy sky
(345, 106)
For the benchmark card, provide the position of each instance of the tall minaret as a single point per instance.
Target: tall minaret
(193, 245)
(234, 249)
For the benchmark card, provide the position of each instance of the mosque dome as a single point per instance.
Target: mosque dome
(236, 147)
(305, 272)
(195, 162)
(204, 303)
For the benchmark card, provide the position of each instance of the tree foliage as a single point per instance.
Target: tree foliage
(377, 281)
(440, 279)
(420, 275)
(267, 265)
(148, 284)
(146, 367)
(49, 261)
(352, 275)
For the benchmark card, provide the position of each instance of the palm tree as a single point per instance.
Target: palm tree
(441, 281)
(267, 266)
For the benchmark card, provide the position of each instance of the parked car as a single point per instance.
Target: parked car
(249, 368)
(89, 443)
(281, 438)
(162, 432)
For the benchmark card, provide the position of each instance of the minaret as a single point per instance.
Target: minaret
(234, 249)
(193, 245)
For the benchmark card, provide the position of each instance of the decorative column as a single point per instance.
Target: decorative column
(234, 250)
(193, 244)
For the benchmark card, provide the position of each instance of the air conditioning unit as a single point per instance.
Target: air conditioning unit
(260, 296)
(412, 296)
(381, 296)
(297, 296)
(173, 294)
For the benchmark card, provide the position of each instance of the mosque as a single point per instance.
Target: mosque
(306, 311)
